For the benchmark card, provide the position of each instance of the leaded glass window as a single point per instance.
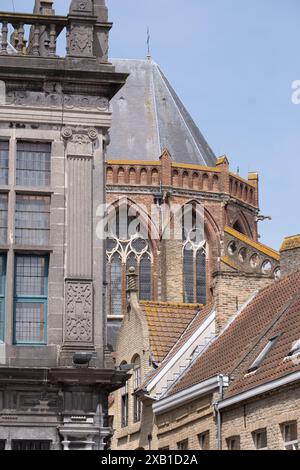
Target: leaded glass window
(32, 220)
(194, 254)
(2, 294)
(4, 150)
(33, 164)
(31, 290)
(127, 246)
(3, 218)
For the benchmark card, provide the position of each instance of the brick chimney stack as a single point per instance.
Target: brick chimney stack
(290, 255)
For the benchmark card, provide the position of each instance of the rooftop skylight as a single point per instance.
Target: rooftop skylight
(262, 356)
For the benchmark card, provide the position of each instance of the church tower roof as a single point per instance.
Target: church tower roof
(148, 117)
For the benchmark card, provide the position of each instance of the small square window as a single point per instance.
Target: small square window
(234, 443)
(203, 439)
(183, 445)
(290, 435)
(260, 439)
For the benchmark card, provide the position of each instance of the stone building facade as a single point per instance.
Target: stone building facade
(54, 122)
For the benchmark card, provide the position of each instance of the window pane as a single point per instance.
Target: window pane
(3, 218)
(183, 445)
(32, 220)
(30, 299)
(30, 276)
(29, 322)
(33, 164)
(201, 277)
(188, 269)
(2, 294)
(116, 286)
(4, 149)
(30, 445)
(2, 445)
(204, 441)
(145, 278)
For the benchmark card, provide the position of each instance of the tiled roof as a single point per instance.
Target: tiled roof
(191, 328)
(290, 243)
(275, 309)
(259, 246)
(166, 323)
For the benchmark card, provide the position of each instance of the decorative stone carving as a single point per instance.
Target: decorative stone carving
(79, 312)
(81, 40)
(92, 133)
(54, 99)
(78, 7)
(67, 133)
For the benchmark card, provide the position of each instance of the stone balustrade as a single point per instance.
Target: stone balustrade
(30, 34)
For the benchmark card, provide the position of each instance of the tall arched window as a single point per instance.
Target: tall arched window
(127, 245)
(194, 254)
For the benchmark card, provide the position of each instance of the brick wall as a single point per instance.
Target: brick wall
(231, 291)
(268, 412)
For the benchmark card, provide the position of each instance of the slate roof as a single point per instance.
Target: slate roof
(275, 310)
(148, 116)
(166, 323)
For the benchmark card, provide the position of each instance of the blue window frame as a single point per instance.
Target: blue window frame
(31, 299)
(2, 294)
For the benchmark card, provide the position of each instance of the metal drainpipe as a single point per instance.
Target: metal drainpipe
(223, 382)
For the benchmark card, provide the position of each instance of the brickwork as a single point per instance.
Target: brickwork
(232, 290)
(268, 412)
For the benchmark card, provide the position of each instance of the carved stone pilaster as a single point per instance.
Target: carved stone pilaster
(78, 324)
(79, 141)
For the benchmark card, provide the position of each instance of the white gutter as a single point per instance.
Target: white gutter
(187, 395)
(259, 390)
(181, 352)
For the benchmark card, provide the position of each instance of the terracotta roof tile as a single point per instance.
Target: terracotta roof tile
(166, 323)
(193, 325)
(274, 310)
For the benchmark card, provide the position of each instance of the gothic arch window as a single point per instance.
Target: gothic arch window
(127, 245)
(194, 255)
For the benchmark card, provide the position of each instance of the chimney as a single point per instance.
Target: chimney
(290, 255)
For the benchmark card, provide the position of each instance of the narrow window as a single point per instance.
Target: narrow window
(3, 218)
(30, 445)
(188, 267)
(33, 164)
(116, 285)
(183, 445)
(234, 443)
(290, 435)
(32, 220)
(2, 294)
(145, 278)
(31, 290)
(203, 439)
(124, 406)
(2, 445)
(262, 356)
(4, 149)
(260, 439)
(201, 277)
(137, 380)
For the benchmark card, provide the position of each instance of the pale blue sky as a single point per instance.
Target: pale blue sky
(232, 63)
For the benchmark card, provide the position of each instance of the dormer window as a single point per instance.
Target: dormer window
(295, 351)
(262, 356)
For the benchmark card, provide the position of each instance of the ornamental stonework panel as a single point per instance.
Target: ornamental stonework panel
(79, 313)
